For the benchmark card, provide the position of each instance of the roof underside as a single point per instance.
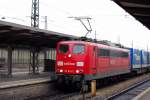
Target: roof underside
(20, 35)
(140, 9)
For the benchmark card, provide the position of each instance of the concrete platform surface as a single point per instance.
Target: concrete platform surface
(11, 84)
(22, 79)
(145, 95)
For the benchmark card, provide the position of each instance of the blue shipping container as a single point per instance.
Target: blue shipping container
(144, 58)
(135, 58)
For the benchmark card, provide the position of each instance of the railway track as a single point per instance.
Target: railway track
(59, 96)
(110, 91)
(57, 93)
(104, 93)
(131, 92)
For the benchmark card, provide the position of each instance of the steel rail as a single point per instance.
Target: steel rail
(126, 90)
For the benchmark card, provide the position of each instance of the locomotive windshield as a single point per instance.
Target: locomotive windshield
(63, 48)
(78, 48)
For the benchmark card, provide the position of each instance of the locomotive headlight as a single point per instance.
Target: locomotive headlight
(61, 71)
(59, 63)
(69, 55)
(77, 71)
(80, 64)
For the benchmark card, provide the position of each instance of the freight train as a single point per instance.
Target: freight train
(96, 61)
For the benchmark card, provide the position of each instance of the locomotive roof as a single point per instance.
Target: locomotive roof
(95, 44)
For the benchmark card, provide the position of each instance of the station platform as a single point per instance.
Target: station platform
(145, 95)
(22, 79)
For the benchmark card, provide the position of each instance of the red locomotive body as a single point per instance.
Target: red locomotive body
(94, 61)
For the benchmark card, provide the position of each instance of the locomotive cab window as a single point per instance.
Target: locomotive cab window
(63, 48)
(78, 49)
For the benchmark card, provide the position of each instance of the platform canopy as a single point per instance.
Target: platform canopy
(20, 35)
(140, 9)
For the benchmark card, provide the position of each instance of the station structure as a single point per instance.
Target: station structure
(15, 37)
(140, 9)
(33, 47)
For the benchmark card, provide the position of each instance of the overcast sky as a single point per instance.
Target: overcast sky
(108, 19)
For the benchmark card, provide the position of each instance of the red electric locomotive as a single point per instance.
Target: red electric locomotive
(93, 60)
